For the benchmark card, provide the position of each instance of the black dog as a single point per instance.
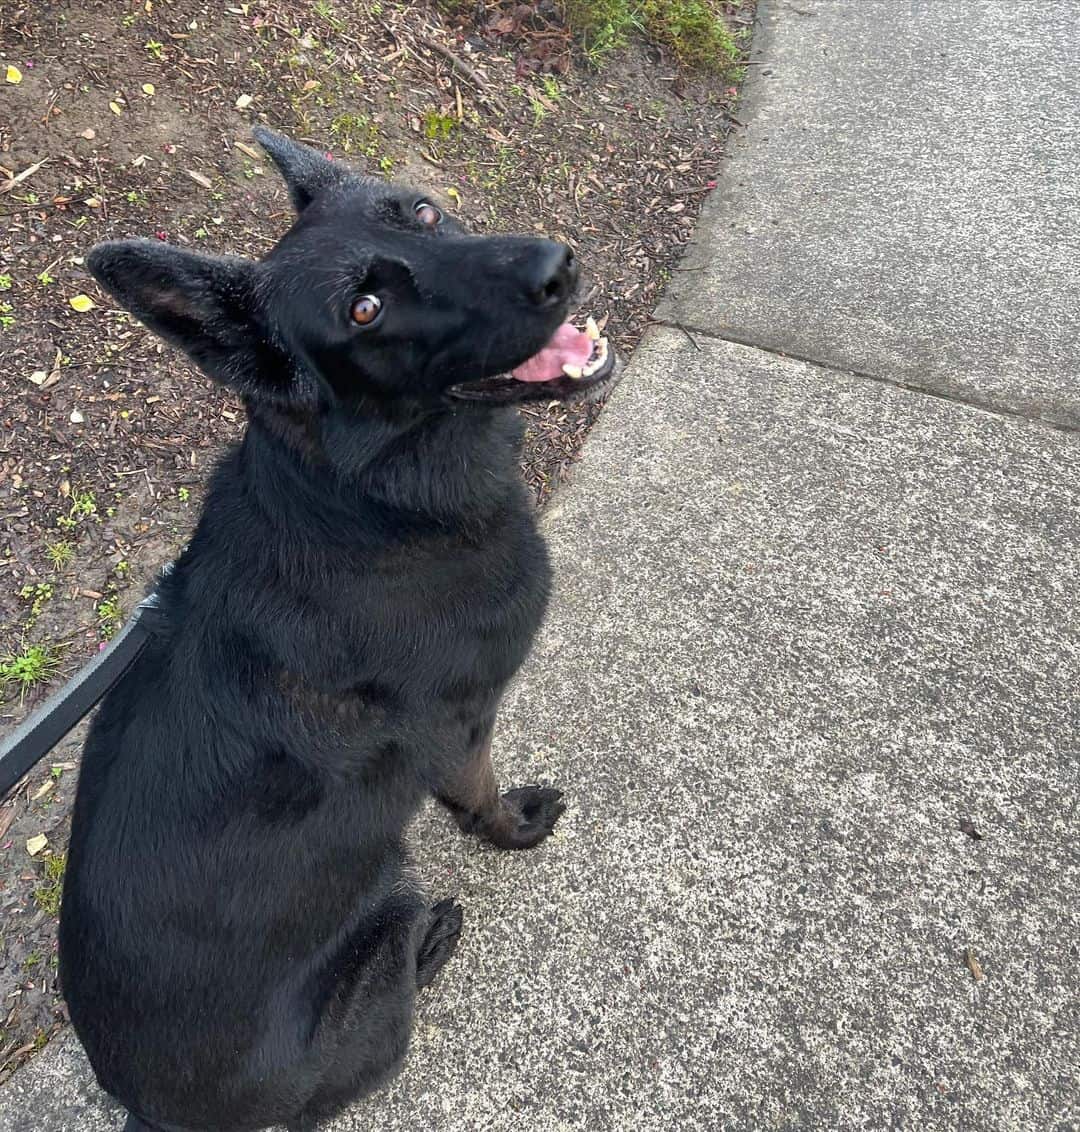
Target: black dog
(241, 941)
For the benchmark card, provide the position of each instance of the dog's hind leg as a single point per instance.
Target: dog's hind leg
(439, 942)
(135, 1124)
(518, 819)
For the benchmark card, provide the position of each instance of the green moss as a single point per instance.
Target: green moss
(356, 133)
(47, 895)
(694, 31)
(438, 126)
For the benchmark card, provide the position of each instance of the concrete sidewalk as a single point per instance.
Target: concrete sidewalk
(808, 623)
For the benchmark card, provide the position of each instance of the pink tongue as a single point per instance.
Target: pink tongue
(569, 346)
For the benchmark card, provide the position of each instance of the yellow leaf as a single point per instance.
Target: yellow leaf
(148, 88)
(243, 102)
(13, 75)
(81, 303)
(454, 195)
(34, 845)
(115, 108)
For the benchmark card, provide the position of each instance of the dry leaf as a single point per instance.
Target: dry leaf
(148, 88)
(13, 75)
(81, 303)
(973, 965)
(35, 844)
(252, 153)
(115, 107)
(77, 417)
(88, 133)
(7, 816)
(43, 789)
(243, 102)
(38, 377)
(200, 179)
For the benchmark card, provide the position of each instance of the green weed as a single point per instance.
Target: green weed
(60, 553)
(38, 595)
(23, 670)
(110, 615)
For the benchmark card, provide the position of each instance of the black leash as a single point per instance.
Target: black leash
(36, 736)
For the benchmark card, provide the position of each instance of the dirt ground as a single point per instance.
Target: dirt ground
(133, 119)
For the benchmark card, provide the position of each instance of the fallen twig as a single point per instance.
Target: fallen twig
(464, 69)
(29, 171)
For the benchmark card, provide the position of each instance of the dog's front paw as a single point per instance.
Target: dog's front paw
(529, 815)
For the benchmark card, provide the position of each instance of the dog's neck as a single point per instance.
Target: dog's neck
(443, 470)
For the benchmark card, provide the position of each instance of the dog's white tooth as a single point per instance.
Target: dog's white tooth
(572, 371)
(591, 329)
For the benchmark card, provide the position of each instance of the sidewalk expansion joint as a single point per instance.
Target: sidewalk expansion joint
(695, 332)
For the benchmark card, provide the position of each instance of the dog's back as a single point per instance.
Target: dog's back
(236, 847)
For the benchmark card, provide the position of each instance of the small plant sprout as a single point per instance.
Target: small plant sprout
(44, 278)
(109, 616)
(38, 595)
(156, 49)
(60, 553)
(7, 319)
(183, 493)
(6, 282)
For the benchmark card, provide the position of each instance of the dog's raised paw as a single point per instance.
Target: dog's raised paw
(439, 942)
(536, 810)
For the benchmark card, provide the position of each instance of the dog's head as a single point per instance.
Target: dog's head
(374, 295)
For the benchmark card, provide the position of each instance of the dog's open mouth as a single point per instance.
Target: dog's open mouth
(574, 363)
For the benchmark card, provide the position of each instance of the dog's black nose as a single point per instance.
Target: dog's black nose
(551, 274)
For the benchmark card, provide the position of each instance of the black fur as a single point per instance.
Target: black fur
(241, 939)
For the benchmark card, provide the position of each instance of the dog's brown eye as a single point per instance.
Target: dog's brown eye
(366, 309)
(428, 214)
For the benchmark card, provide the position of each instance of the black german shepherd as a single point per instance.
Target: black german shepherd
(241, 938)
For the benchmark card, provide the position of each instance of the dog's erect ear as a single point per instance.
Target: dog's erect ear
(307, 172)
(206, 305)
